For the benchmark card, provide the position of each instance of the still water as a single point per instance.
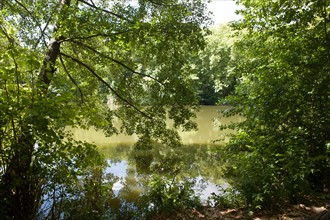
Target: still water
(208, 120)
(197, 159)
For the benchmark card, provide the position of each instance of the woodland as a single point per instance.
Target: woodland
(61, 62)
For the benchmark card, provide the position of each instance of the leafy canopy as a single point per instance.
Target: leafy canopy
(212, 65)
(62, 64)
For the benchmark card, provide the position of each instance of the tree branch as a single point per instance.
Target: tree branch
(160, 4)
(10, 39)
(104, 10)
(43, 34)
(94, 35)
(105, 83)
(48, 69)
(71, 78)
(119, 62)
(38, 24)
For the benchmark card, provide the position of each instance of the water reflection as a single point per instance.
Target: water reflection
(198, 159)
(117, 168)
(134, 166)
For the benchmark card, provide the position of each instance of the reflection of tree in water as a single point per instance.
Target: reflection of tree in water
(142, 160)
(155, 159)
(90, 197)
(187, 160)
(116, 153)
(127, 204)
(132, 186)
(167, 162)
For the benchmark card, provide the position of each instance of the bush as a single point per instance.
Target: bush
(228, 197)
(169, 195)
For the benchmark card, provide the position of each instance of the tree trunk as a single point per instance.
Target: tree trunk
(21, 184)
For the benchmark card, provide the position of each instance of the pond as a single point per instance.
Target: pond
(198, 159)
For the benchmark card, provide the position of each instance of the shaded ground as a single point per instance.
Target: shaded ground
(298, 212)
(319, 211)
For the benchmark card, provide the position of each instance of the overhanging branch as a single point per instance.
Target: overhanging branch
(104, 10)
(71, 78)
(105, 83)
(118, 62)
(95, 35)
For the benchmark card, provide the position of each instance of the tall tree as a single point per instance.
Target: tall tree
(284, 95)
(63, 61)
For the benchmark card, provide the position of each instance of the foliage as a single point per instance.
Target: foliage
(62, 63)
(88, 195)
(214, 76)
(280, 152)
(140, 190)
(168, 195)
(227, 197)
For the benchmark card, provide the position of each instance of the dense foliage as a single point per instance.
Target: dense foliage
(62, 63)
(215, 79)
(281, 152)
(169, 195)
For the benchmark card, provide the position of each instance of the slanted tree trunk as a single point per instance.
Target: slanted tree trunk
(21, 184)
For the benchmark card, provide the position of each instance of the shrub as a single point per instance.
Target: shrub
(169, 195)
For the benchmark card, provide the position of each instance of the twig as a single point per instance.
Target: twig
(43, 33)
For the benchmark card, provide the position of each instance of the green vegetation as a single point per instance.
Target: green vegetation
(281, 152)
(61, 62)
(83, 63)
(168, 195)
(215, 79)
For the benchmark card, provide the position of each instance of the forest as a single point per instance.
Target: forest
(63, 62)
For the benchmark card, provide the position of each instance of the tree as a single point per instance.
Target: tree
(212, 66)
(284, 95)
(62, 61)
